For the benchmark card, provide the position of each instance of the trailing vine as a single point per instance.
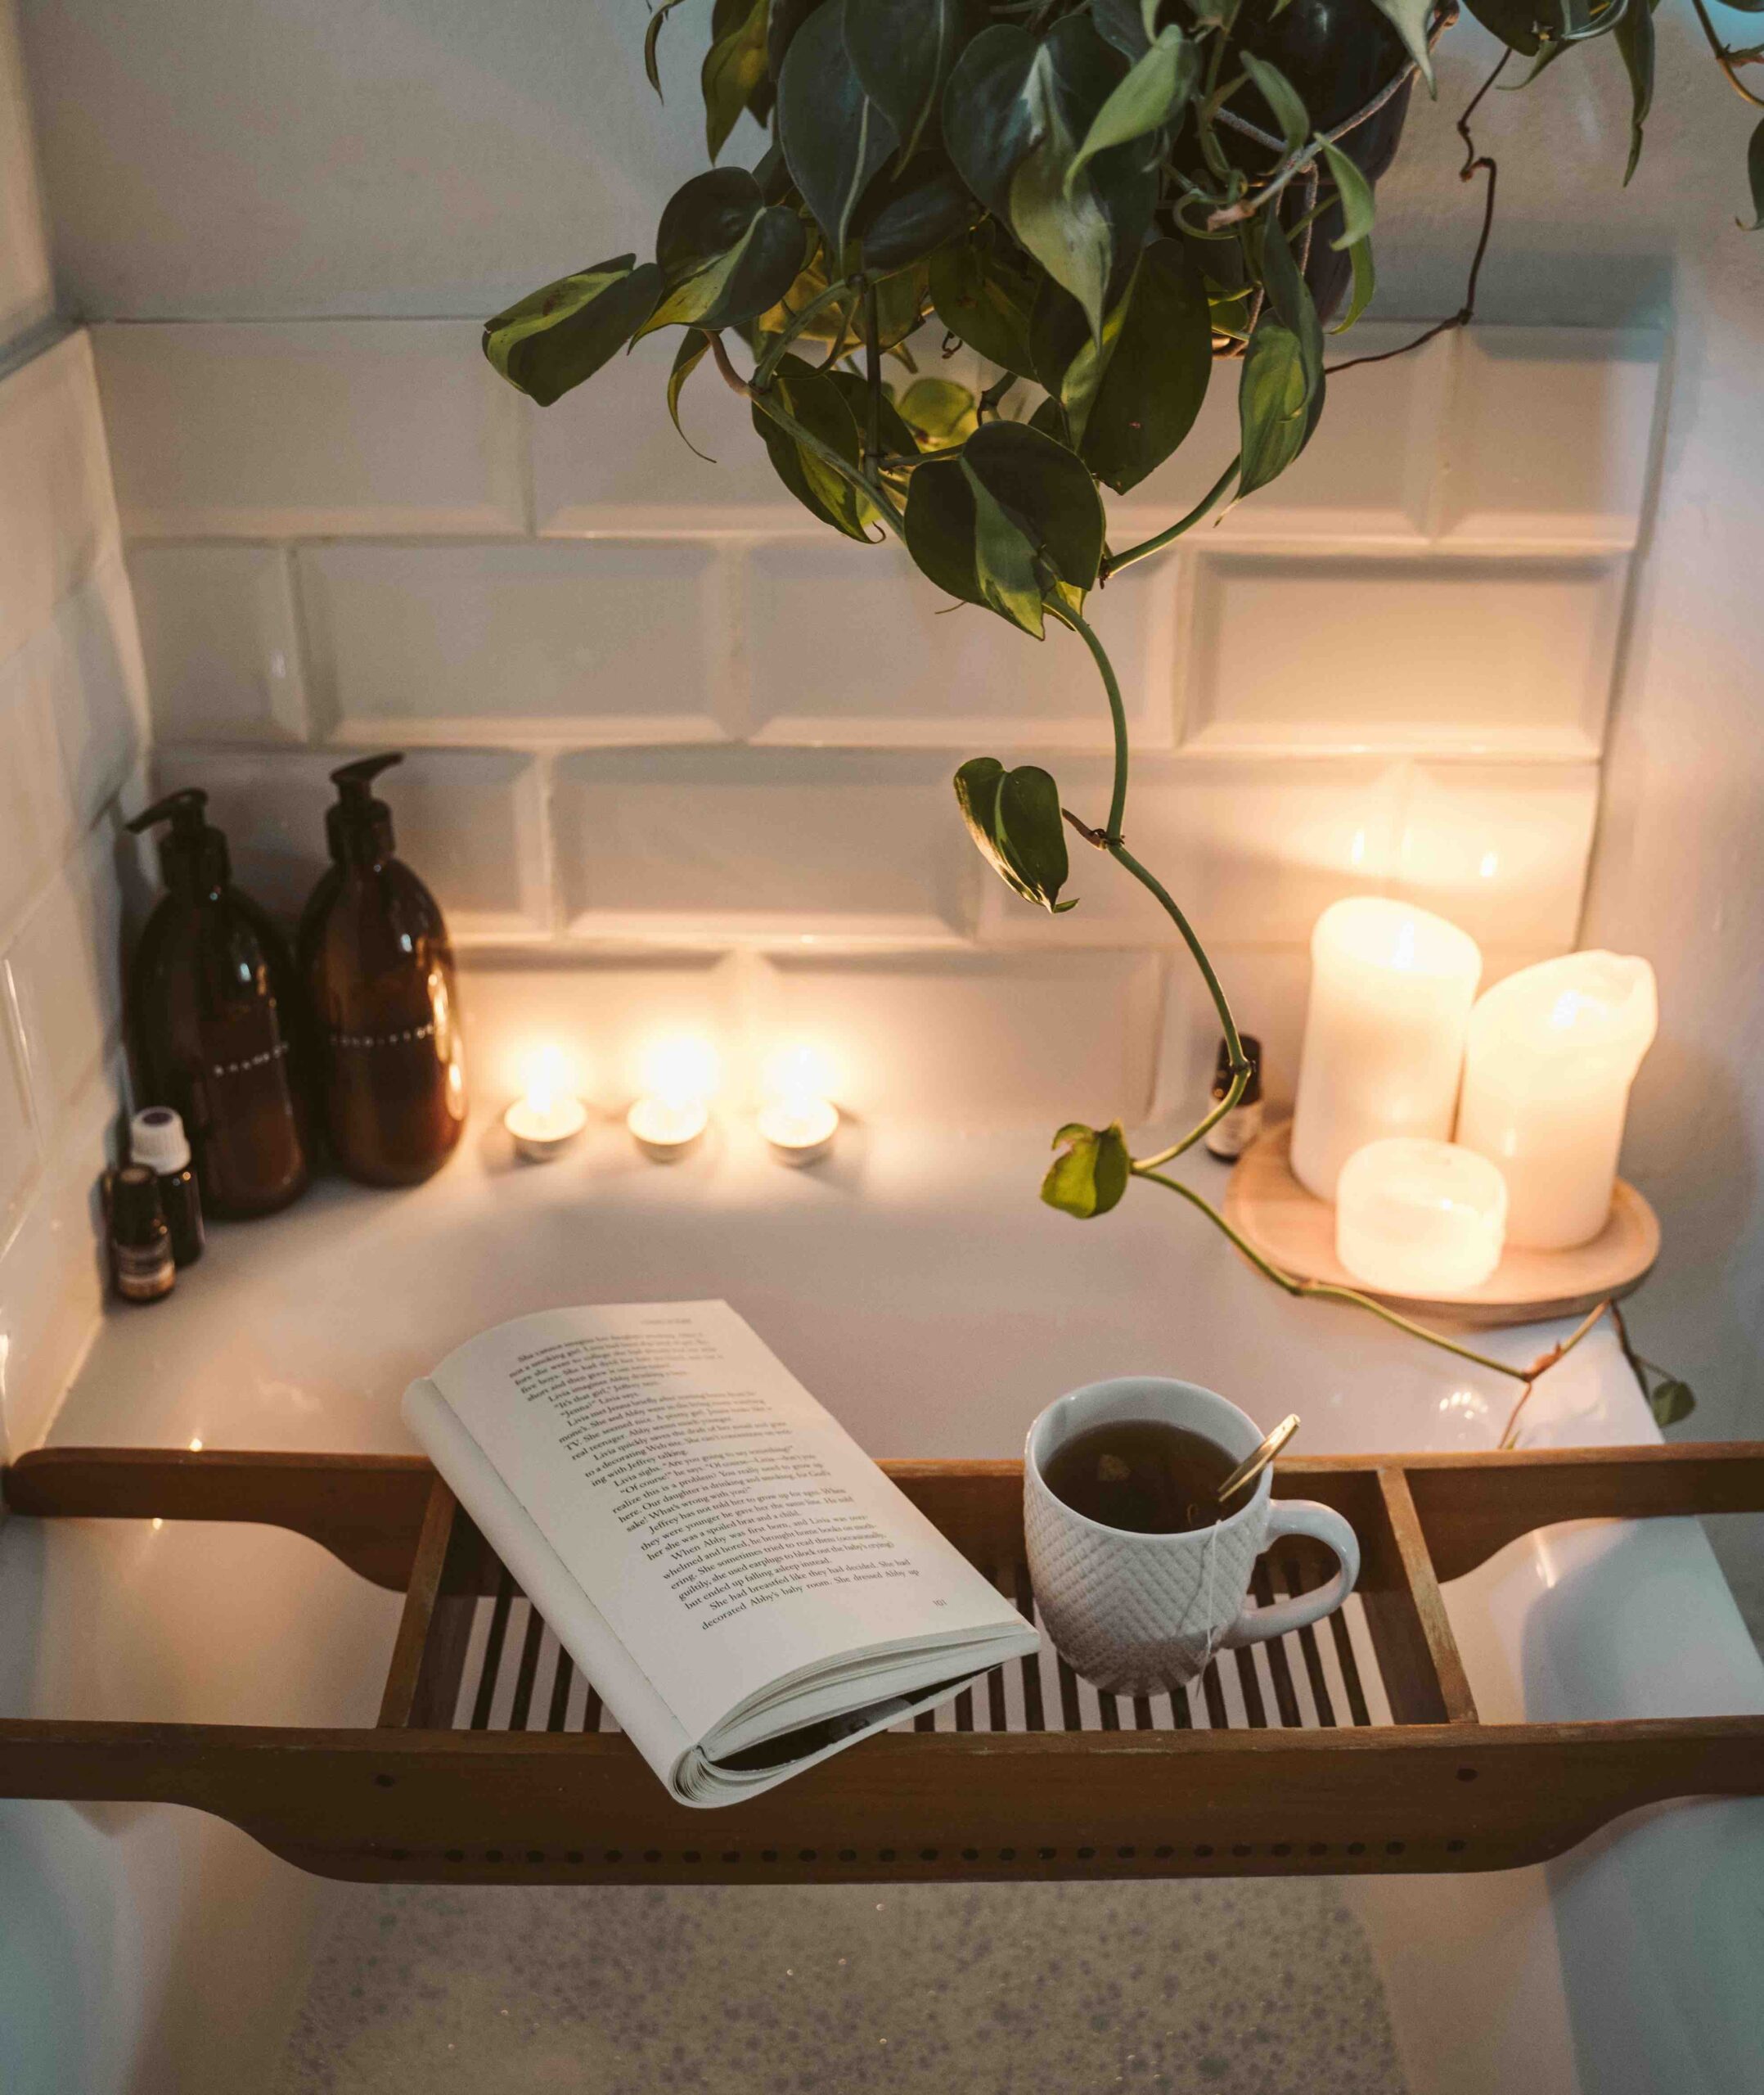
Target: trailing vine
(1109, 203)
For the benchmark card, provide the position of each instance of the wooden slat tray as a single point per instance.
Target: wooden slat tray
(1354, 1747)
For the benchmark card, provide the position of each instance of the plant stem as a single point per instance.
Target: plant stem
(1118, 714)
(797, 324)
(1113, 563)
(872, 374)
(1725, 58)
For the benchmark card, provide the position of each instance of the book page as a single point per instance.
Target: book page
(729, 1531)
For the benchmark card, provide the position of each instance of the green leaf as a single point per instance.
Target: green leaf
(908, 217)
(1282, 97)
(1670, 1401)
(1091, 1175)
(1068, 361)
(989, 117)
(559, 335)
(834, 136)
(1122, 23)
(1355, 192)
(1273, 405)
(1289, 297)
(1041, 487)
(1156, 377)
(986, 297)
(693, 345)
(1062, 225)
(939, 412)
(1515, 22)
(1003, 560)
(1409, 19)
(897, 438)
(904, 51)
(726, 256)
(1155, 91)
(1634, 40)
(813, 399)
(1365, 283)
(652, 38)
(734, 67)
(1755, 172)
(783, 19)
(1014, 820)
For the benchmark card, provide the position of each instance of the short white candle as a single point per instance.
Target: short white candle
(1415, 1217)
(547, 1116)
(679, 1078)
(1550, 1056)
(798, 1118)
(1391, 990)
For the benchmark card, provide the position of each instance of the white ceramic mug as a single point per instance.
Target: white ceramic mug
(1138, 1614)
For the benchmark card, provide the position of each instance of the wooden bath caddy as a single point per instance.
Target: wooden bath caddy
(1353, 1747)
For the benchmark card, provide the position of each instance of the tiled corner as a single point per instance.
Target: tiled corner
(218, 634)
(1253, 849)
(979, 1040)
(1501, 850)
(472, 823)
(57, 516)
(275, 429)
(19, 1151)
(770, 844)
(599, 1014)
(65, 971)
(1551, 435)
(37, 823)
(1368, 473)
(604, 642)
(1294, 652)
(850, 645)
(99, 688)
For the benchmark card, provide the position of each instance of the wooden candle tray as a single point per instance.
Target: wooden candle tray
(1350, 1748)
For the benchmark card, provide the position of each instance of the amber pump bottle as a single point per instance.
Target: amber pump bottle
(216, 1018)
(378, 971)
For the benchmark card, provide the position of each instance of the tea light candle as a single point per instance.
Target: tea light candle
(1550, 1056)
(680, 1078)
(797, 1119)
(1391, 990)
(1415, 1217)
(548, 1117)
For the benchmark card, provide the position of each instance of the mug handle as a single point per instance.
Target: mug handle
(1323, 1524)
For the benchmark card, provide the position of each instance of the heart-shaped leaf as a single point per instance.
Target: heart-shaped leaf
(907, 217)
(904, 51)
(834, 137)
(812, 399)
(897, 438)
(990, 119)
(734, 74)
(1671, 1400)
(1153, 94)
(1156, 375)
(1043, 490)
(690, 354)
(986, 295)
(939, 412)
(1014, 820)
(1091, 1173)
(1061, 223)
(1273, 405)
(1123, 24)
(1005, 565)
(560, 335)
(726, 256)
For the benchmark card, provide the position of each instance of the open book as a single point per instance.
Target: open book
(739, 1580)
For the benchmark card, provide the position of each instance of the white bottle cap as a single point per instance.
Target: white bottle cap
(156, 1138)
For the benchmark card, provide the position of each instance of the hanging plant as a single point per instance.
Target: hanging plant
(1114, 205)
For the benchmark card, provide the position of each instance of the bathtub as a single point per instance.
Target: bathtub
(916, 1285)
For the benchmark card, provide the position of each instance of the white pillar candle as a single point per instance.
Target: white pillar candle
(1391, 991)
(1414, 1217)
(1550, 1055)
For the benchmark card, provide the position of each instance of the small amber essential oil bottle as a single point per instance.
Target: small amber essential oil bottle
(141, 1265)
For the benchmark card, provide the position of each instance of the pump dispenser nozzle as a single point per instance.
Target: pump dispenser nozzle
(357, 818)
(192, 851)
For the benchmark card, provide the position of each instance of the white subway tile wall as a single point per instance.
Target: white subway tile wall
(672, 741)
(73, 733)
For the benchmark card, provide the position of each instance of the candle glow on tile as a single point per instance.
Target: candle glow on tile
(547, 1116)
(1550, 1057)
(1415, 1217)
(680, 1076)
(1391, 990)
(798, 1118)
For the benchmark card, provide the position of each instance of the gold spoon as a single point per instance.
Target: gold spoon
(1252, 1465)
